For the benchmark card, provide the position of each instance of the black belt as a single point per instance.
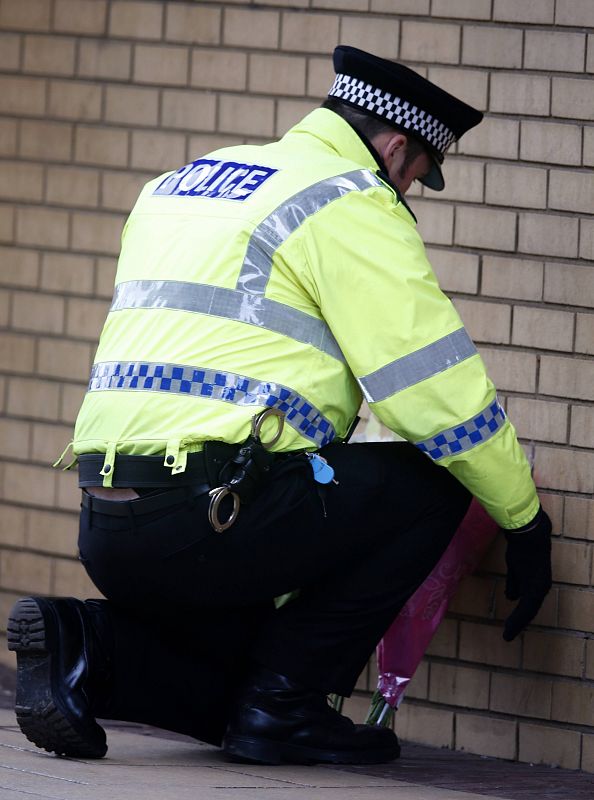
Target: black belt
(143, 505)
(140, 471)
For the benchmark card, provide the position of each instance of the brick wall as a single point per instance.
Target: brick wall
(98, 95)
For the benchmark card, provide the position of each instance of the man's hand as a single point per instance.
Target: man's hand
(528, 559)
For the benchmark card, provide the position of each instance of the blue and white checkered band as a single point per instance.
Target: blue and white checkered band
(394, 109)
(214, 385)
(464, 437)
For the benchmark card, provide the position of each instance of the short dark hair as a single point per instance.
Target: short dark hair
(370, 126)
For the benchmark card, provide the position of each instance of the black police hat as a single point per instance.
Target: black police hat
(404, 99)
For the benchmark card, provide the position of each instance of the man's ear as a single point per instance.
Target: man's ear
(394, 144)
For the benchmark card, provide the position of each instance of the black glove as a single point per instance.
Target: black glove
(528, 559)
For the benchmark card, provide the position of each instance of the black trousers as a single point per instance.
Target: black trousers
(191, 608)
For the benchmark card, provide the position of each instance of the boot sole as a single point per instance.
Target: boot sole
(41, 715)
(266, 751)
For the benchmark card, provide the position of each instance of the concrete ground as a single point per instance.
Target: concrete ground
(145, 764)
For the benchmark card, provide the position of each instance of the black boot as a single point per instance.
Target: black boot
(279, 721)
(57, 664)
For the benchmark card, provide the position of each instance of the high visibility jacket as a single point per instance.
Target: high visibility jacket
(291, 275)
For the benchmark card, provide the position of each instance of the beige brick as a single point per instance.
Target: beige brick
(486, 322)
(49, 55)
(52, 532)
(554, 653)
(136, 20)
(320, 76)
(494, 138)
(101, 146)
(511, 11)
(576, 610)
(586, 239)
(253, 116)
(189, 22)
(42, 226)
(262, 25)
(99, 233)
(584, 335)
(67, 273)
(459, 686)
(34, 15)
(25, 572)
(456, 271)
(445, 640)
(430, 42)
(548, 234)
(517, 93)
(85, 318)
(582, 426)
(464, 180)
(589, 658)
(120, 189)
(157, 151)
(131, 105)
(590, 59)
(565, 470)
(7, 218)
(70, 578)
(8, 137)
(569, 284)
(63, 359)
(21, 181)
(470, 85)
(379, 36)
(219, 69)
(72, 186)
(5, 298)
(587, 762)
(49, 141)
(486, 736)
(432, 726)
(551, 142)
(105, 277)
(80, 16)
(588, 146)
(512, 277)
(539, 327)
(553, 746)
(30, 397)
(48, 442)
(32, 311)
(570, 377)
(10, 51)
(512, 185)
(161, 64)
(574, 13)
(511, 370)
(67, 491)
(19, 267)
(572, 562)
(14, 439)
(341, 5)
(189, 110)
(416, 7)
(72, 397)
(579, 517)
(484, 644)
(571, 191)
(554, 50)
(289, 113)
(22, 95)
(12, 525)
(573, 702)
(78, 100)
(538, 419)
(272, 74)
(521, 696)
(464, 9)
(19, 480)
(287, 3)
(203, 143)
(485, 227)
(436, 221)
(309, 33)
(492, 47)
(474, 597)
(419, 683)
(104, 59)
(573, 98)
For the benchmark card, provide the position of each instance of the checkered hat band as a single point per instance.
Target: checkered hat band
(214, 385)
(465, 436)
(394, 110)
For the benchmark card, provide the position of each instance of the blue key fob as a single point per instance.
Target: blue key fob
(323, 472)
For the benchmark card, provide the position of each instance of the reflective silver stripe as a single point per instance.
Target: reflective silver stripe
(230, 304)
(466, 435)
(286, 218)
(185, 379)
(417, 366)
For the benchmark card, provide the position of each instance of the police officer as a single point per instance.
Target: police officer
(261, 293)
